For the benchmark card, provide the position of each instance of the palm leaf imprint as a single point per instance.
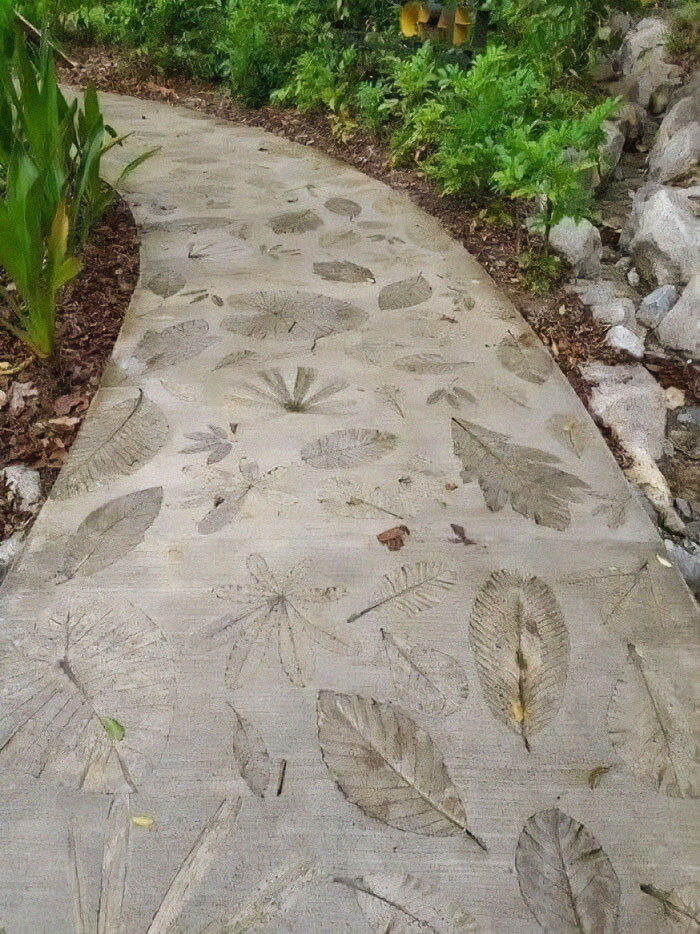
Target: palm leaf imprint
(292, 316)
(525, 357)
(109, 532)
(388, 766)
(507, 472)
(273, 392)
(158, 350)
(566, 879)
(250, 754)
(348, 448)
(425, 679)
(681, 907)
(271, 605)
(521, 646)
(654, 732)
(403, 904)
(116, 444)
(231, 493)
(409, 590)
(68, 681)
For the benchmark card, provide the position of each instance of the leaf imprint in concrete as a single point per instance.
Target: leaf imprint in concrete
(343, 271)
(654, 732)
(87, 698)
(428, 363)
(158, 350)
(343, 206)
(109, 532)
(565, 877)
(216, 442)
(410, 590)
(278, 604)
(292, 222)
(348, 448)
(292, 315)
(681, 907)
(425, 679)
(250, 754)
(525, 357)
(511, 473)
(118, 442)
(300, 396)
(405, 294)
(404, 904)
(521, 647)
(388, 766)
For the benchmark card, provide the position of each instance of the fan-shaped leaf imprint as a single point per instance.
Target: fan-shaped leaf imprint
(292, 316)
(117, 443)
(109, 532)
(348, 448)
(652, 729)
(511, 473)
(403, 904)
(521, 646)
(388, 766)
(70, 674)
(566, 879)
(425, 679)
(409, 590)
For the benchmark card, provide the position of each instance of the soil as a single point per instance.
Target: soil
(46, 402)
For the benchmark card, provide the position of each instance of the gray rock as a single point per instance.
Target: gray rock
(25, 485)
(663, 234)
(602, 297)
(681, 115)
(621, 338)
(620, 24)
(579, 243)
(688, 89)
(680, 328)
(642, 59)
(633, 277)
(675, 158)
(610, 150)
(9, 549)
(656, 305)
(628, 400)
(650, 34)
(632, 119)
(689, 415)
(687, 562)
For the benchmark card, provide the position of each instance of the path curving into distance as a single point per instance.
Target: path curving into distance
(341, 616)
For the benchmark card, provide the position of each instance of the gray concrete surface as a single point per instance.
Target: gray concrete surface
(227, 706)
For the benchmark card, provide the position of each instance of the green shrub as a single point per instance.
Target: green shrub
(684, 38)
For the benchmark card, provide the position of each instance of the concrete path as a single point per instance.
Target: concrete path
(341, 617)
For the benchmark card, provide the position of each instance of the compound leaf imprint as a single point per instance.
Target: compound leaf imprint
(566, 879)
(66, 681)
(525, 477)
(116, 443)
(388, 766)
(403, 904)
(109, 532)
(651, 729)
(521, 646)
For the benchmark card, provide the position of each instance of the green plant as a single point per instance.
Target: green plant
(684, 35)
(34, 253)
(540, 269)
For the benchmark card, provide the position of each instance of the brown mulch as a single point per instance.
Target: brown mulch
(46, 403)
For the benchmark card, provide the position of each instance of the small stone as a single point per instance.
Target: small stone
(579, 243)
(633, 278)
(25, 485)
(690, 416)
(656, 305)
(675, 397)
(663, 234)
(621, 338)
(610, 150)
(624, 264)
(671, 160)
(687, 562)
